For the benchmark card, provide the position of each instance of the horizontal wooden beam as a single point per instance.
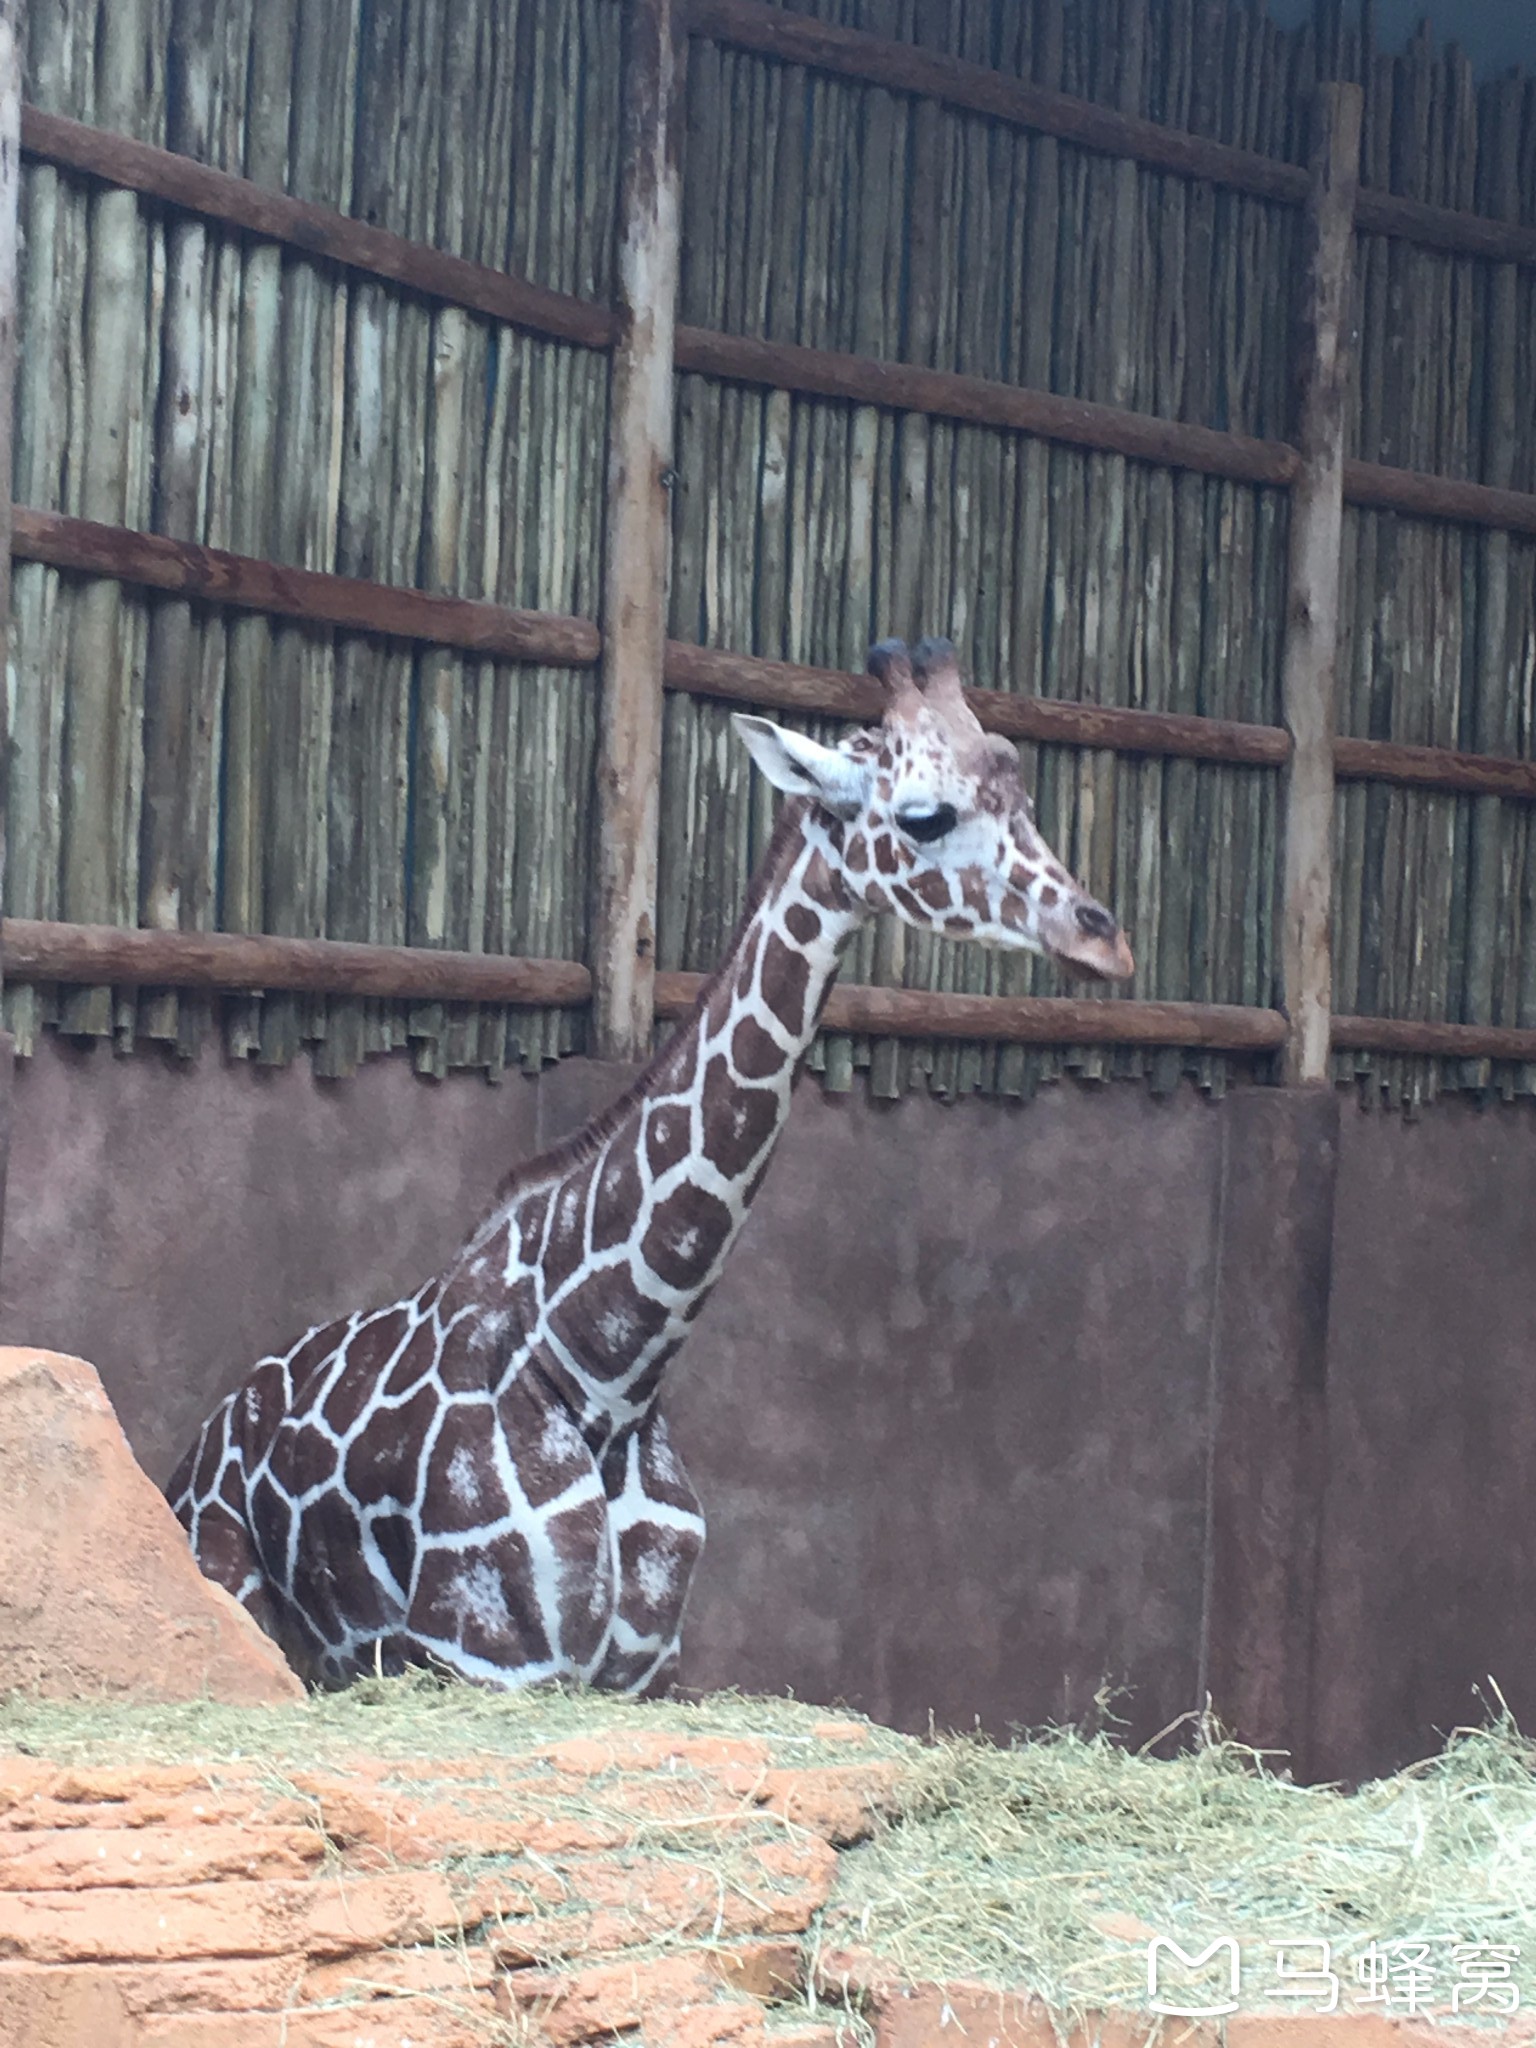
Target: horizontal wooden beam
(107, 955)
(1435, 768)
(786, 686)
(796, 38)
(321, 231)
(37, 950)
(1410, 1035)
(1421, 496)
(318, 230)
(1018, 1020)
(1444, 227)
(308, 595)
(984, 401)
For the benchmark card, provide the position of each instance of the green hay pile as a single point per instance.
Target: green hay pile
(1045, 1866)
(416, 1717)
(1051, 1864)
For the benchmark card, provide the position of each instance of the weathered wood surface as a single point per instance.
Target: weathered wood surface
(10, 195)
(41, 950)
(1422, 1038)
(1018, 1020)
(214, 576)
(1422, 496)
(791, 686)
(1309, 666)
(796, 38)
(178, 180)
(181, 181)
(944, 394)
(906, 67)
(1433, 768)
(638, 530)
(218, 961)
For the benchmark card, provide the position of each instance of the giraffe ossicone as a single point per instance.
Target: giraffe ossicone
(479, 1477)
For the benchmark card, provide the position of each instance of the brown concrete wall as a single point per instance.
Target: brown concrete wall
(994, 1407)
(1427, 1574)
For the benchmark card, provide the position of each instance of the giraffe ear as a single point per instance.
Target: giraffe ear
(802, 767)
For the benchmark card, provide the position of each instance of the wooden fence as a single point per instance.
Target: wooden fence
(364, 379)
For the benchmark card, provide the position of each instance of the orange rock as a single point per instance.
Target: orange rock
(841, 1803)
(232, 1984)
(237, 1918)
(122, 1784)
(226, 1984)
(608, 1998)
(101, 1593)
(841, 1731)
(206, 1809)
(383, 2023)
(49, 2008)
(71, 1859)
(23, 1779)
(620, 1902)
(586, 1756)
(513, 1894)
(702, 2026)
(443, 1973)
(926, 2015)
(767, 1970)
(403, 1824)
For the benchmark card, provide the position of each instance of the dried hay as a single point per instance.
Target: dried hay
(1053, 1863)
(1047, 1865)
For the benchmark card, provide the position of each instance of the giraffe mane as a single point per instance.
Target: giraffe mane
(582, 1144)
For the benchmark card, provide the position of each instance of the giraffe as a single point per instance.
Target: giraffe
(478, 1477)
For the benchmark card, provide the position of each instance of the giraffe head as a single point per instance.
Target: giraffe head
(931, 820)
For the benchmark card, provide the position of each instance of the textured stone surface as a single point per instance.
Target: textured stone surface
(100, 1593)
(162, 1906)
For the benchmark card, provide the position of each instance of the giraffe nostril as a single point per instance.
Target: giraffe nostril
(1096, 921)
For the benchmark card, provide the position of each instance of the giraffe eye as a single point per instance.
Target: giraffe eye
(926, 826)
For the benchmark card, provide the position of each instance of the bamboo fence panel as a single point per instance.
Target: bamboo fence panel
(1436, 892)
(175, 765)
(181, 766)
(805, 528)
(965, 245)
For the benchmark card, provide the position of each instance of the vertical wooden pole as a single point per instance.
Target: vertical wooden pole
(10, 198)
(637, 531)
(1312, 593)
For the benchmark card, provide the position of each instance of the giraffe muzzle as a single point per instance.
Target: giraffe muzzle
(1087, 940)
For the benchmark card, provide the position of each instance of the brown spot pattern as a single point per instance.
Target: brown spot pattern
(754, 1052)
(739, 1126)
(462, 1490)
(786, 983)
(686, 1234)
(667, 1137)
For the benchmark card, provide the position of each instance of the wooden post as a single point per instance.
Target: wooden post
(637, 531)
(1312, 593)
(10, 197)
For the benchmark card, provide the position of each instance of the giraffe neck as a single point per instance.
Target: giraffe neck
(624, 1232)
